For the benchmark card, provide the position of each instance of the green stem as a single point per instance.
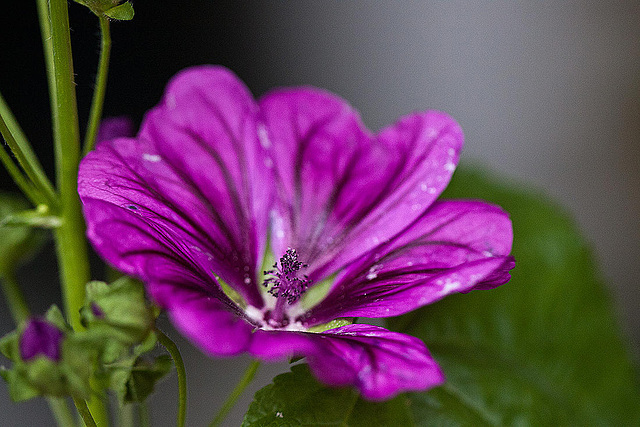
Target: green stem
(47, 44)
(236, 393)
(70, 238)
(182, 376)
(72, 246)
(101, 85)
(84, 412)
(21, 148)
(143, 412)
(61, 412)
(126, 415)
(21, 181)
(15, 299)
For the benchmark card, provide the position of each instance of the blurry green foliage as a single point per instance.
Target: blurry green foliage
(543, 349)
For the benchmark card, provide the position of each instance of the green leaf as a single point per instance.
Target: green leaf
(122, 12)
(144, 376)
(298, 399)
(17, 243)
(543, 349)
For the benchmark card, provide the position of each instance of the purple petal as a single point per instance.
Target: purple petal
(205, 320)
(40, 338)
(456, 246)
(378, 362)
(114, 127)
(193, 182)
(340, 191)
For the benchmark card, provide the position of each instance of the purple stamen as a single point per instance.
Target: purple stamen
(285, 284)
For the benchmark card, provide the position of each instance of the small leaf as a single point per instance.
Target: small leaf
(122, 12)
(144, 376)
(297, 398)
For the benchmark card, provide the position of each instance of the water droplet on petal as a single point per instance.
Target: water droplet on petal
(154, 158)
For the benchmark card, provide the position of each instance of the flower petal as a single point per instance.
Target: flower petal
(456, 246)
(114, 127)
(378, 362)
(342, 191)
(194, 175)
(205, 320)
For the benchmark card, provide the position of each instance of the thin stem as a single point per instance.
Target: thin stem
(21, 148)
(83, 410)
(61, 412)
(47, 45)
(143, 412)
(101, 85)
(21, 181)
(126, 415)
(15, 299)
(182, 375)
(236, 393)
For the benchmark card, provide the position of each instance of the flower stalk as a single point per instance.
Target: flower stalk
(246, 379)
(70, 237)
(15, 299)
(21, 148)
(101, 85)
(61, 412)
(182, 376)
(84, 412)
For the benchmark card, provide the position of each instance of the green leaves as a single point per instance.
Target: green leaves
(542, 349)
(298, 399)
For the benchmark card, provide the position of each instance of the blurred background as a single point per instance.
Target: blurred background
(548, 95)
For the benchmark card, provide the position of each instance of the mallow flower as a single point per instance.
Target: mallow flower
(269, 226)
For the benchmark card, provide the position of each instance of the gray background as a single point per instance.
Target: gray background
(548, 94)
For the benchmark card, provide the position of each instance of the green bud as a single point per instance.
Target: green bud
(113, 9)
(118, 311)
(48, 359)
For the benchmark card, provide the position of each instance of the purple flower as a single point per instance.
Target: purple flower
(40, 338)
(114, 127)
(214, 182)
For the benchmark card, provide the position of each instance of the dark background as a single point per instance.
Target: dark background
(548, 94)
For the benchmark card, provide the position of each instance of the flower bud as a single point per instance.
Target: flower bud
(40, 338)
(118, 311)
(48, 359)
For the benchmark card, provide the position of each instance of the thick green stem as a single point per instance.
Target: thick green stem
(72, 245)
(21, 148)
(236, 393)
(61, 412)
(15, 299)
(101, 85)
(182, 376)
(85, 414)
(70, 237)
